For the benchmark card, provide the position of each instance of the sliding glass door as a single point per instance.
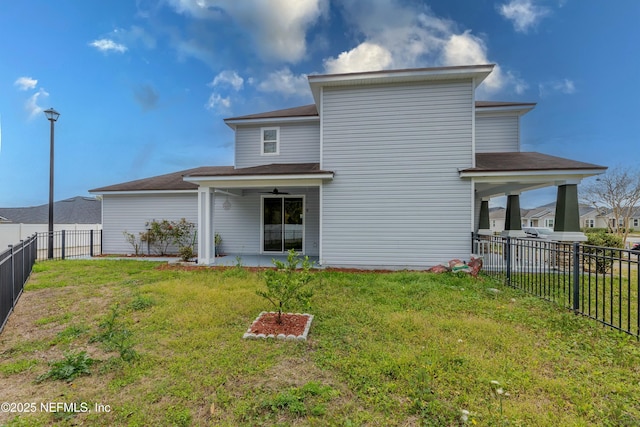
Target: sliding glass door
(283, 224)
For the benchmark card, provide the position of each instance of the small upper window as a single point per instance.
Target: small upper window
(270, 144)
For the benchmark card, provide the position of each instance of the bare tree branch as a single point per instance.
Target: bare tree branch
(618, 190)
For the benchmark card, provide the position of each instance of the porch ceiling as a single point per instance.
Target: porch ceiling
(497, 174)
(291, 175)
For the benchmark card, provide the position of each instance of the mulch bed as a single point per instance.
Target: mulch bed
(292, 324)
(293, 327)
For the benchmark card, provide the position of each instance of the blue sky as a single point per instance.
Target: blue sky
(143, 86)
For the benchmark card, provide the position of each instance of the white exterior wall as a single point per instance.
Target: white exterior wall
(396, 199)
(239, 226)
(130, 213)
(299, 143)
(497, 132)
(11, 234)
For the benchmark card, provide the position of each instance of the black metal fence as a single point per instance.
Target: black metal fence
(70, 244)
(15, 268)
(598, 282)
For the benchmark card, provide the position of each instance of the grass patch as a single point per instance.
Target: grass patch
(384, 349)
(18, 366)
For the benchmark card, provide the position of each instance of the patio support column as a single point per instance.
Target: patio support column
(513, 221)
(206, 231)
(566, 226)
(484, 227)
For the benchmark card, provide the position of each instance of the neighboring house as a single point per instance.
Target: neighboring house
(542, 216)
(497, 217)
(591, 217)
(76, 213)
(386, 169)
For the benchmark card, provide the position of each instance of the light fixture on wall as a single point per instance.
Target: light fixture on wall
(227, 204)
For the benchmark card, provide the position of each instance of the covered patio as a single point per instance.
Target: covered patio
(259, 212)
(512, 173)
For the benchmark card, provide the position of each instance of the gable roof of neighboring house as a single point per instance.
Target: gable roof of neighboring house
(497, 213)
(76, 210)
(539, 212)
(175, 181)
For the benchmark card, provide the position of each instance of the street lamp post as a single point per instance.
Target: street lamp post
(52, 115)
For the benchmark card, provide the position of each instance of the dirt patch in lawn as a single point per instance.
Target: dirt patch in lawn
(31, 339)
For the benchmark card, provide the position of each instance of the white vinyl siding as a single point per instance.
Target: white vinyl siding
(497, 133)
(297, 143)
(396, 199)
(130, 213)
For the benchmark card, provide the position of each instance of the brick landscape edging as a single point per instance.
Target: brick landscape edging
(303, 337)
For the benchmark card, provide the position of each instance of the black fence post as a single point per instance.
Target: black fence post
(63, 244)
(576, 277)
(508, 259)
(91, 243)
(13, 277)
(473, 236)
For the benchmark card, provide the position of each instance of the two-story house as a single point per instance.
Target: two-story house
(386, 169)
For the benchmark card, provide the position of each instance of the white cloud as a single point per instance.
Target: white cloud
(32, 106)
(564, 86)
(26, 83)
(399, 35)
(524, 14)
(228, 77)
(364, 57)
(218, 103)
(277, 27)
(107, 45)
(286, 83)
(467, 49)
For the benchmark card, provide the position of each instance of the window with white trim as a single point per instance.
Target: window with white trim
(636, 222)
(589, 223)
(270, 141)
(548, 223)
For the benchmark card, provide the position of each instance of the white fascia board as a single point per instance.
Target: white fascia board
(555, 175)
(142, 192)
(520, 109)
(477, 73)
(270, 121)
(260, 180)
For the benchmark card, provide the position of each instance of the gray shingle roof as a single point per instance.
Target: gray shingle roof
(526, 161)
(76, 210)
(171, 181)
(175, 181)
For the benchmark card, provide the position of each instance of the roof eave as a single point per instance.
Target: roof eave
(232, 123)
(140, 192)
(573, 173)
(257, 177)
(477, 73)
(520, 109)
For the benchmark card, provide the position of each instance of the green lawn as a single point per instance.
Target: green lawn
(384, 349)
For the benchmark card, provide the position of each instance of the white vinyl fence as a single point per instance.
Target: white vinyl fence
(10, 234)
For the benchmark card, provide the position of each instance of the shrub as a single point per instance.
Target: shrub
(218, 243)
(286, 285)
(159, 235)
(600, 252)
(135, 242)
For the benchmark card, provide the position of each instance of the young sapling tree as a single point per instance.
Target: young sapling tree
(287, 284)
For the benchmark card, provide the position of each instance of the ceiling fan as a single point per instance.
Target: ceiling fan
(274, 191)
